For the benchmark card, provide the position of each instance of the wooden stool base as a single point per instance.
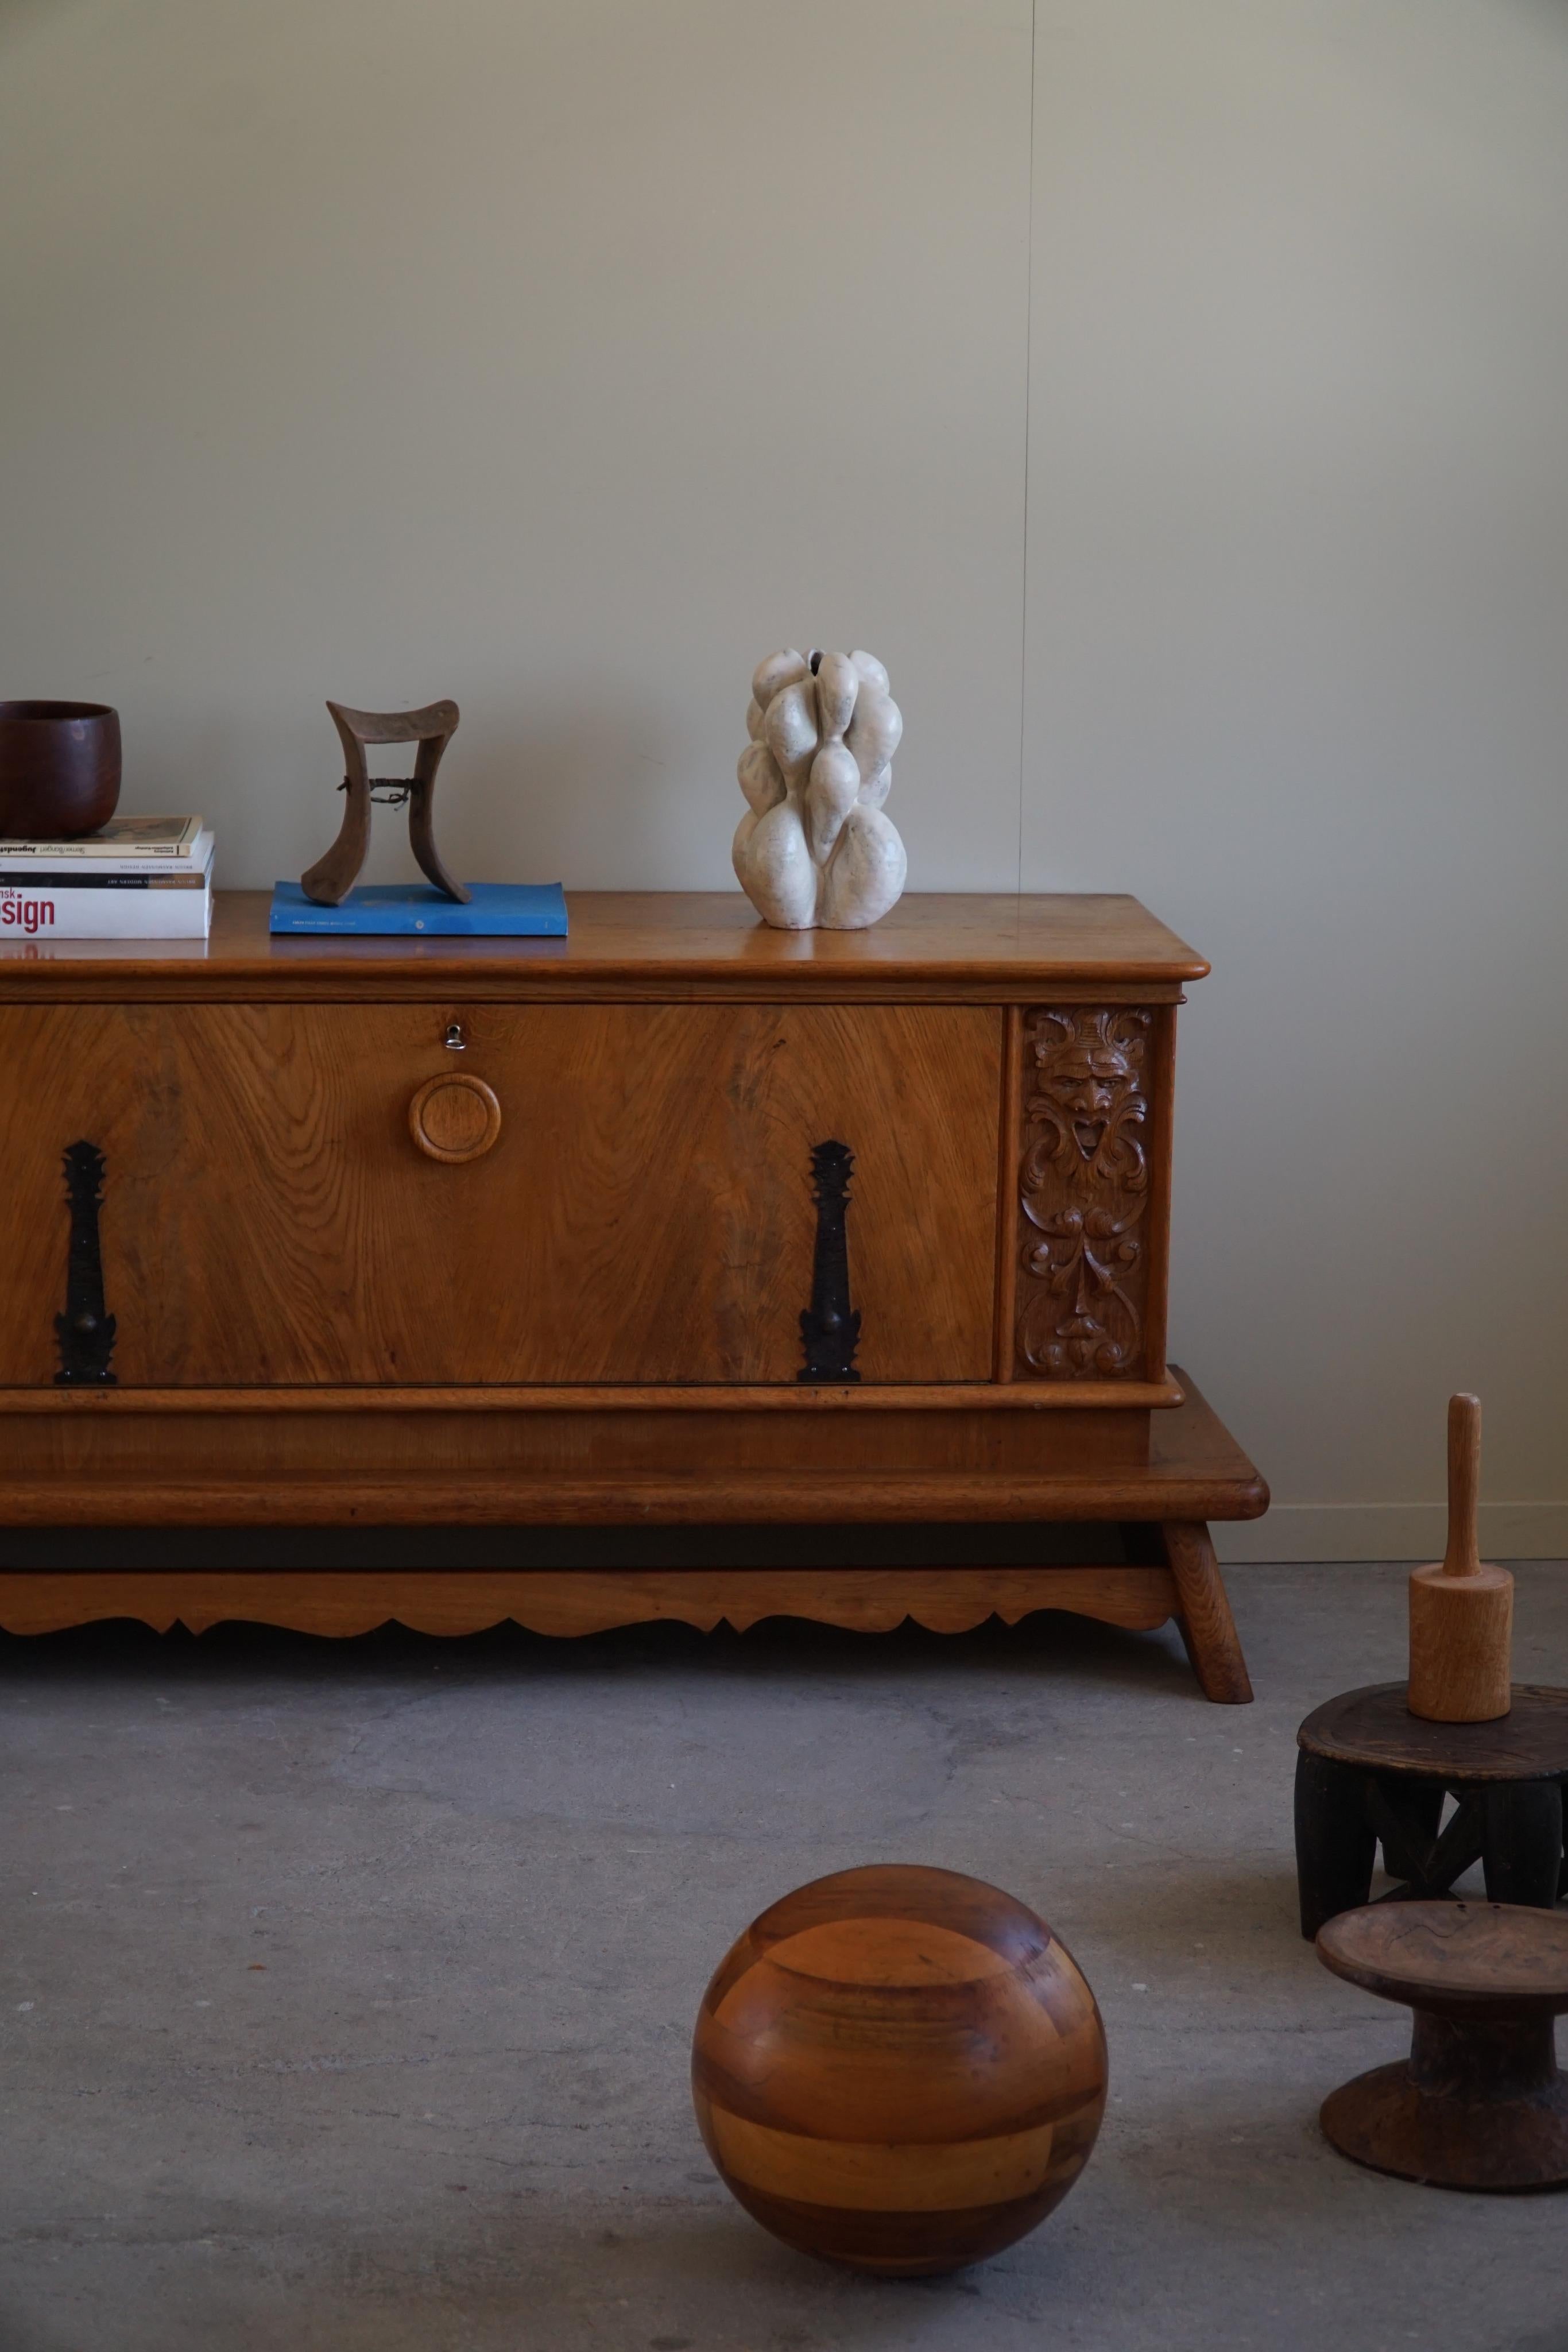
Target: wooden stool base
(1478, 2104)
(1466, 2138)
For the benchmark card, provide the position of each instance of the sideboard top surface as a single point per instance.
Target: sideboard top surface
(647, 944)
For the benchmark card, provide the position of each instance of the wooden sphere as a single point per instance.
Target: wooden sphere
(898, 2068)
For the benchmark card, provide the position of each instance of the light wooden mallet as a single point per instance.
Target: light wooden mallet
(1461, 1612)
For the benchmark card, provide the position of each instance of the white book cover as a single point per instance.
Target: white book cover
(34, 910)
(160, 839)
(99, 873)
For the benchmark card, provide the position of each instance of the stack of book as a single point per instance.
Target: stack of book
(140, 877)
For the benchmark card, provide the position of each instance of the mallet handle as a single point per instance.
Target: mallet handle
(1463, 1556)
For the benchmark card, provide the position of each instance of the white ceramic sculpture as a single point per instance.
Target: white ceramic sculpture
(814, 850)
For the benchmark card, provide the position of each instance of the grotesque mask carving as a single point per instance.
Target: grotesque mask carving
(1083, 1188)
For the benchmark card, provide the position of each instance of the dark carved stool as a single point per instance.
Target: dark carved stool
(1371, 1773)
(1479, 2102)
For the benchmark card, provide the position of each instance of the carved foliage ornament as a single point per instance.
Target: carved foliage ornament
(1083, 1188)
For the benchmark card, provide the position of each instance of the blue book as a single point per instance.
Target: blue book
(499, 910)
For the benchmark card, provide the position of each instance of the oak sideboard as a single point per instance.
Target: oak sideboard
(677, 1219)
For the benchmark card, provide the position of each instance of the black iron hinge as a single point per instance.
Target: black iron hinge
(829, 1326)
(86, 1334)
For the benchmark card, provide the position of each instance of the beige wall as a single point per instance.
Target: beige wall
(565, 359)
(1298, 674)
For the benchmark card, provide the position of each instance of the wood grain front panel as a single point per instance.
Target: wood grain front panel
(644, 1215)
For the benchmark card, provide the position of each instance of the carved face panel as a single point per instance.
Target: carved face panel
(1083, 1191)
(1089, 1095)
(1085, 1083)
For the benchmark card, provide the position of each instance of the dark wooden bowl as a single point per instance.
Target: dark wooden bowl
(59, 769)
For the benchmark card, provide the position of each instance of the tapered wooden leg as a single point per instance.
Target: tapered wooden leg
(1521, 1853)
(1335, 1841)
(1405, 1817)
(1208, 1628)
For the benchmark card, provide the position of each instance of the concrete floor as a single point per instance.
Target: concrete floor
(346, 1990)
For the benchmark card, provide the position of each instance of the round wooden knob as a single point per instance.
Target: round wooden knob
(455, 1117)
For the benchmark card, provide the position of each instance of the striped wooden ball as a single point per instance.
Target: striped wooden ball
(899, 2068)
